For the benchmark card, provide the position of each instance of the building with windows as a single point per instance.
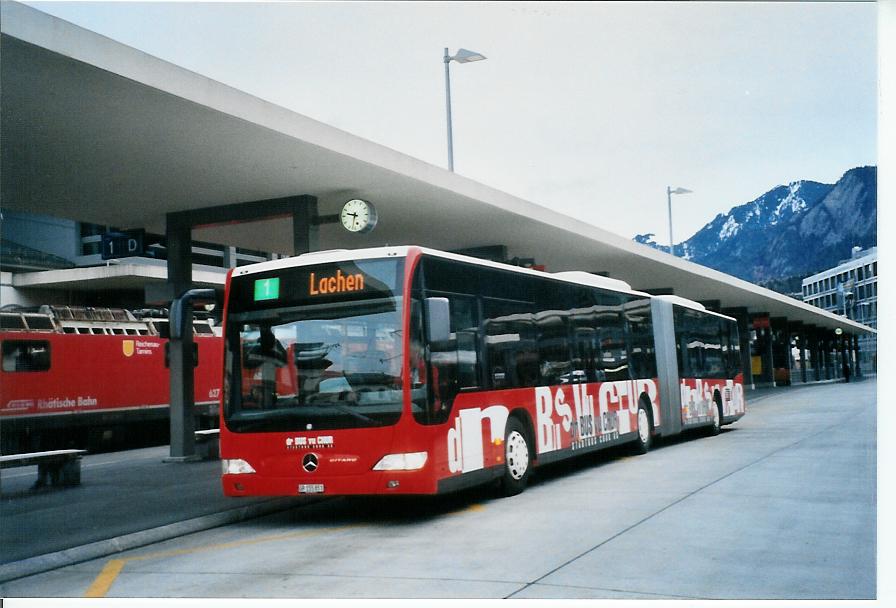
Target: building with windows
(33, 243)
(850, 289)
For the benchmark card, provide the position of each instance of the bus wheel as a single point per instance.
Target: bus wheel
(517, 458)
(716, 426)
(645, 438)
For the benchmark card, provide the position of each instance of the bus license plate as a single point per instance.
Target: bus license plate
(311, 488)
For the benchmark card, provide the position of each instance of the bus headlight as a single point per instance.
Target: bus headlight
(236, 466)
(401, 462)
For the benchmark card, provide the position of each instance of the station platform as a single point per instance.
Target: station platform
(125, 500)
(130, 499)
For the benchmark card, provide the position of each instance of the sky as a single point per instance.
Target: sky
(590, 109)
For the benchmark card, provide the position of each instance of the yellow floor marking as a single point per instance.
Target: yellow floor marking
(468, 508)
(106, 578)
(103, 582)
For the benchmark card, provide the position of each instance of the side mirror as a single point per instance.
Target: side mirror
(438, 320)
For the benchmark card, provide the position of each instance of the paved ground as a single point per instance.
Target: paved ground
(120, 493)
(782, 505)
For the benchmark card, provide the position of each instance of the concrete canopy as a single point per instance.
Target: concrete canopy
(97, 131)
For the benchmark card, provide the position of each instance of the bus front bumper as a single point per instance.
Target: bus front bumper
(373, 482)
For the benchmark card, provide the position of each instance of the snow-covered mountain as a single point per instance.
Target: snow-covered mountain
(792, 230)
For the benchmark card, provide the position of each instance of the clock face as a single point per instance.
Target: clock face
(358, 216)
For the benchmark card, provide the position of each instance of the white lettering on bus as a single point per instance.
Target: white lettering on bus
(697, 397)
(465, 437)
(544, 421)
(57, 403)
(617, 403)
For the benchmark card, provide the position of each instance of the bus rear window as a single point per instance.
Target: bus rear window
(26, 355)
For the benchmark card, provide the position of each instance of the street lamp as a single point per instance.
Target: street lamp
(669, 193)
(463, 56)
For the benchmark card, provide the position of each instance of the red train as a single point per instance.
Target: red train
(94, 377)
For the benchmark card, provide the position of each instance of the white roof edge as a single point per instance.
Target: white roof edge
(338, 255)
(47, 278)
(594, 280)
(322, 257)
(693, 305)
(683, 302)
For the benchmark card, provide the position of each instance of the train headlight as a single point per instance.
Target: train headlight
(236, 466)
(401, 462)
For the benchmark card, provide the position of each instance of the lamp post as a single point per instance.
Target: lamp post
(669, 193)
(462, 56)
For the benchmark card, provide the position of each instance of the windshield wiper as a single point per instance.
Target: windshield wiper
(347, 410)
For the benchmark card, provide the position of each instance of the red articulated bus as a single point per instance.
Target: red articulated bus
(90, 377)
(404, 370)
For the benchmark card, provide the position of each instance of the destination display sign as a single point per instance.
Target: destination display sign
(318, 284)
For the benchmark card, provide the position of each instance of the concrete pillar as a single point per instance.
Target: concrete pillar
(815, 345)
(229, 257)
(826, 354)
(762, 326)
(804, 363)
(780, 335)
(305, 225)
(180, 352)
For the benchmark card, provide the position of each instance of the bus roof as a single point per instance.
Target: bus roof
(570, 276)
(692, 305)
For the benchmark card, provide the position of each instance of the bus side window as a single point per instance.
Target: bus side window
(639, 329)
(26, 355)
(553, 347)
(511, 345)
(734, 361)
(455, 365)
(612, 356)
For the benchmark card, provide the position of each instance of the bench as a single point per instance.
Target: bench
(56, 467)
(207, 444)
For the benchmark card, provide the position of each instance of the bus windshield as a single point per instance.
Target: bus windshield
(302, 365)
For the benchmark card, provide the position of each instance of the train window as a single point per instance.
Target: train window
(161, 327)
(13, 321)
(40, 323)
(203, 329)
(26, 355)
(69, 330)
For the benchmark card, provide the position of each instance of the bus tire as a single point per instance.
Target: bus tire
(716, 427)
(517, 458)
(645, 434)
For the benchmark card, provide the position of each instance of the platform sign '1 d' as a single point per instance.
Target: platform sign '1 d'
(122, 244)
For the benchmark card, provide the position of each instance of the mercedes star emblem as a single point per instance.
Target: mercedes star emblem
(309, 462)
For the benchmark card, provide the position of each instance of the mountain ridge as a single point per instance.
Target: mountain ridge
(790, 231)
